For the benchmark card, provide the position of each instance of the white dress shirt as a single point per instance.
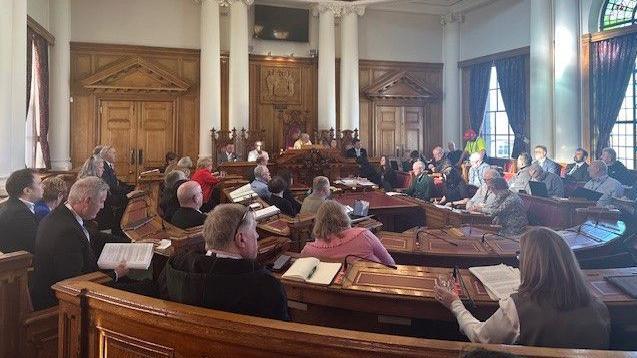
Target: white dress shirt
(503, 327)
(29, 205)
(253, 155)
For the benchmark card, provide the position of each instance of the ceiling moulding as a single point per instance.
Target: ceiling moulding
(430, 7)
(134, 75)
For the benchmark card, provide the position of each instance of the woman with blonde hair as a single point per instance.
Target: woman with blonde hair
(203, 175)
(92, 167)
(552, 308)
(335, 237)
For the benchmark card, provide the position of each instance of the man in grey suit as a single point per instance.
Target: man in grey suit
(541, 157)
(228, 154)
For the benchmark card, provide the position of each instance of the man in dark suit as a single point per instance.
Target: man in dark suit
(18, 223)
(190, 199)
(578, 171)
(63, 246)
(541, 157)
(356, 152)
(277, 186)
(116, 186)
(228, 154)
(616, 169)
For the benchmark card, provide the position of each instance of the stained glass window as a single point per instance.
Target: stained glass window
(618, 13)
(496, 131)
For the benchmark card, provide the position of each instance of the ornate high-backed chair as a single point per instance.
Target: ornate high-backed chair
(295, 122)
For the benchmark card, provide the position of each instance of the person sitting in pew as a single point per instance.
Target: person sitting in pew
(226, 276)
(522, 177)
(320, 193)
(170, 162)
(552, 308)
(476, 171)
(553, 182)
(203, 175)
(256, 152)
(601, 182)
(541, 157)
(439, 161)
(578, 171)
(287, 193)
(18, 222)
(421, 184)
(388, 176)
(483, 197)
(169, 203)
(616, 169)
(185, 164)
(55, 192)
(228, 155)
(63, 245)
(190, 198)
(455, 186)
(277, 187)
(260, 182)
(508, 210)
(335, 238)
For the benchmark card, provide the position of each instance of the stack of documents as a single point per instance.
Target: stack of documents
(499, 280)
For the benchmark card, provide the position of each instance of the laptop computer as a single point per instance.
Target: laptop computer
(587, 194)
(538, 188)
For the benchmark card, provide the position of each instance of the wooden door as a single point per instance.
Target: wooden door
(156, 134)
(398, 127)
(141, 132)
(118, 124)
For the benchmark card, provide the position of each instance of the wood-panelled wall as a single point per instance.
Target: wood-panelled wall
(269, 78)
(177, 65)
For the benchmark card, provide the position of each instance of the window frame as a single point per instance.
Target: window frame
(491, 139)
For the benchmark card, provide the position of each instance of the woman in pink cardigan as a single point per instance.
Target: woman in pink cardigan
(336, 238)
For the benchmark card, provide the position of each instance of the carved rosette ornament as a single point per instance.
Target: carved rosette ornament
(338, 9)
(226, 3)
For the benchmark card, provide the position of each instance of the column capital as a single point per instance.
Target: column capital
(225, 3)
(338, 9)
(352, 9)
(452, 17)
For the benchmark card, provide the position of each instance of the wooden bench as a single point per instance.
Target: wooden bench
(95, 319)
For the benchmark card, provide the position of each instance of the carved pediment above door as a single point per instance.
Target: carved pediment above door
(135, 75)
(400, 85)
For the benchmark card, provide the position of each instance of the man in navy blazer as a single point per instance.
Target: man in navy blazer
(541, 157)
(18, 223)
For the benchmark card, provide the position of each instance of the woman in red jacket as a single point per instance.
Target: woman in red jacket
(203, 175)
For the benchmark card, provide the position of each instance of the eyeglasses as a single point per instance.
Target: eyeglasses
(243, 219)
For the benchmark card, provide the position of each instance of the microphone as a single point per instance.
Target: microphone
(345, 263)
(436, 236)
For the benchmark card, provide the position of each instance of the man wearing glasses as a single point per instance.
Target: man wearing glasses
(226, 276)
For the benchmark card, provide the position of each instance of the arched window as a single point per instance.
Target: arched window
(623, 138)
(617, 13)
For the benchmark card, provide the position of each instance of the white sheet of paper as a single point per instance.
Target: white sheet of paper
(136, 255)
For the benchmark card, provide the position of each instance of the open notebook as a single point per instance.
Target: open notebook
(312, 270)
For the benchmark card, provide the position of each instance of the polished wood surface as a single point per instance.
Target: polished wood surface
(437, 216)
(15, 303)
(95, 319)
(306, 164)
(161, 87)
(397, 213)
(556, 213)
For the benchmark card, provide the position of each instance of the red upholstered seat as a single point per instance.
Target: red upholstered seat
(403, 179)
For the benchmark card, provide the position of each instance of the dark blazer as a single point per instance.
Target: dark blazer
(550, 166)
(580, 174)
(185, 218)
(351, 153)
(62, 251)
(618, 171)
(223, 157)
(388, 177)
(284, 205)
(118, 188)
(18, 226)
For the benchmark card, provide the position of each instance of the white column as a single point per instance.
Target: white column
(59, 86)
(13, 39)
(326, 67)
(541, 62)
(210, 76)
(566, 95)
(452, 121)
(349, 112)
(239, 90)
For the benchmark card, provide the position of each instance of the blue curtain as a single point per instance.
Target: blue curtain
(513, 82)
(480, 75)
(612, 62)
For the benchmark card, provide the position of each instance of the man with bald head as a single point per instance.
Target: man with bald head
(190, 199)
(421, 183)
(483, 200)
(439, 162)
(602, 183)
(553, 182)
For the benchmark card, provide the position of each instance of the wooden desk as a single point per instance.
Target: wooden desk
(437, 216)
(97, 318)
(596, 245)
(370, 297)
(395, 212)
(556, 213)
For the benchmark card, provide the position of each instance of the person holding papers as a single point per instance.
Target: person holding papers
(336, 238)
(190, 199)
(226, 276)
(63, 246)
(553, 306)
(276, 187)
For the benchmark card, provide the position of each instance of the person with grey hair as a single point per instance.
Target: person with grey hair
(119, 189)
(63, 246)
(616, 169)
(421, 183)
(190, 198)
(173, 177)
(92, 167)
(260, 183)
(508, 210)
(185, 164)
(601, 182)
(226, 276)
(320, 193)
(476, 171)
(522, 177)
(553, 182)
(482, 200)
